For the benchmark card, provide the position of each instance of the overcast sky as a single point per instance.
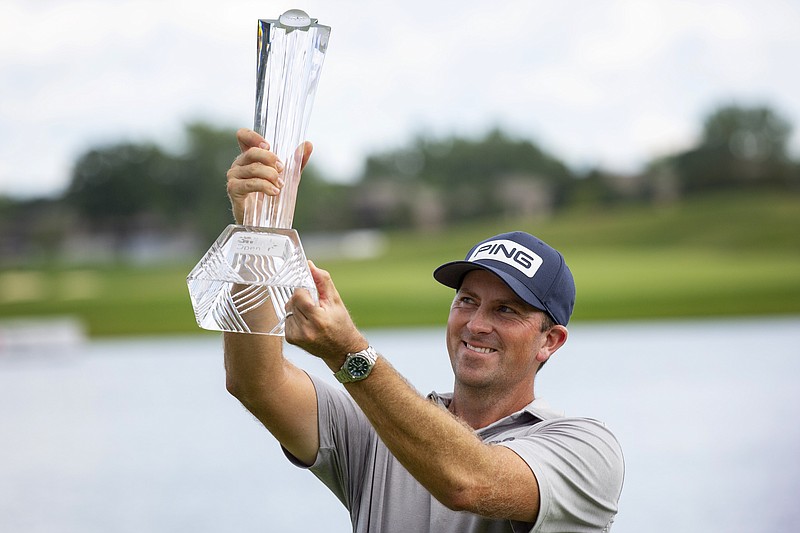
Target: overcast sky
(596, 82)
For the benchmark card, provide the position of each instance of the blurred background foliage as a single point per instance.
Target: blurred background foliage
(122, 192)
(142, 214)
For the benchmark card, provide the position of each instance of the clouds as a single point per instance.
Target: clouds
(612, 83)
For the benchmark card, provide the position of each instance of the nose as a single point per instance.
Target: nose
(480, 321)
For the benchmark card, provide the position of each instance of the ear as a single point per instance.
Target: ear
(554, 339)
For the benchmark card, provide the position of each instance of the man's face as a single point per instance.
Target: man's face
(493, 337)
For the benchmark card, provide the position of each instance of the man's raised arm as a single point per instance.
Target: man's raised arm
(278, 393)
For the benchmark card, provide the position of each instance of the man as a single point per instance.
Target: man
(489, 457)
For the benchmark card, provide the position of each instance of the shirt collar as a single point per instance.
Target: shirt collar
(538, 409)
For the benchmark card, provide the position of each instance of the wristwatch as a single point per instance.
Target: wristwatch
(357, 366)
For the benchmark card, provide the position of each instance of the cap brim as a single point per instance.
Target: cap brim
(452, 275)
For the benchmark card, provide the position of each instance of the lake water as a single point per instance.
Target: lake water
(140, 435)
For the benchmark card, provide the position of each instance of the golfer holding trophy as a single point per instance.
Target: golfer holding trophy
(489, 457)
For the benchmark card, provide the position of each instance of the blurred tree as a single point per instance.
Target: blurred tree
(740, 146)
(197, 186)
(126, 188)
(31, 230)
(750, 133)
(322, 205)
(114, 188)
(605, 189)
(468, 178)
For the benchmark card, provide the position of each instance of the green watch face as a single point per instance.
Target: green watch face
(358, 366)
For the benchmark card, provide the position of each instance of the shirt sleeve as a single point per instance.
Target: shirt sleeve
(343, 431)
(579, 467)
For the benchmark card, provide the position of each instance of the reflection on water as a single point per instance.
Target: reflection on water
(140, 435)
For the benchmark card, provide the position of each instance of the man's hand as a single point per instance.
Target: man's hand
(325, 330)
(257, 169)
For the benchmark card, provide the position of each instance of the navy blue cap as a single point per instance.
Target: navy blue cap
(536, 272)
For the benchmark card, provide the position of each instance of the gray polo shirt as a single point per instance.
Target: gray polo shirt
(577, 462)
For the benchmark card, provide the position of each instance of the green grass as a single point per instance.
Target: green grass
(728, 255)
(109, 300)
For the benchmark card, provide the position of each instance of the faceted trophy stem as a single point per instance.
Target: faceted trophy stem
(291, 52)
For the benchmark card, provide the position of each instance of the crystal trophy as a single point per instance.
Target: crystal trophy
(245, 279)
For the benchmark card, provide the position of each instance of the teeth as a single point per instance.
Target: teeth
(479, 350)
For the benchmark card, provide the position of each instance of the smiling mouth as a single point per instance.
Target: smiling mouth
(478, 349)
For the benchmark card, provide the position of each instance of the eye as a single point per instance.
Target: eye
(506, 309)
(464, 300)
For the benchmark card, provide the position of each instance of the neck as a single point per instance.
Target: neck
(479, 409)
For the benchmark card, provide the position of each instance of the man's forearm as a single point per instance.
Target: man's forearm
(443, 453)
(253, 362)
(278, 393)
(249, 361)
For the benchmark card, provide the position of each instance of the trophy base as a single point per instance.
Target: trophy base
(245, 279)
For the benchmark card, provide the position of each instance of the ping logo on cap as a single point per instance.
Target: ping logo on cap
(510, 253)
